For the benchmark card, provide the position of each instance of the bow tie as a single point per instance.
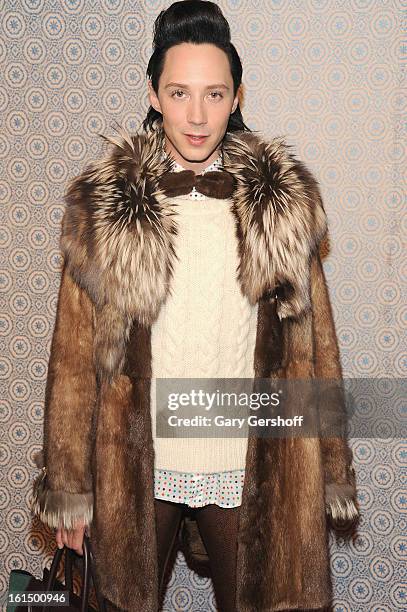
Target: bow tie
(214, 183)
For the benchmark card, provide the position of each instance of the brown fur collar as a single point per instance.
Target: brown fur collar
(119, 227)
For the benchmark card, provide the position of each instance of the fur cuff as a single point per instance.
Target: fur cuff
(341, 505)
(59, 508)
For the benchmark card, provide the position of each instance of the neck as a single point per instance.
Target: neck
(196, 166)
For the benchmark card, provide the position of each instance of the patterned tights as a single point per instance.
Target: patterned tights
(218, 528)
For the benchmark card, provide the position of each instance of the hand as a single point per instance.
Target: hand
(72, 538)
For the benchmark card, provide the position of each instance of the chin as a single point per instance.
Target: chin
(192, 153)
(195, 156)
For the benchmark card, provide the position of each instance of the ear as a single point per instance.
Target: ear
(235, 102)
(154, 101)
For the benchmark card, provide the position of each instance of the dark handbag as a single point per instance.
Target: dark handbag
(21, 581)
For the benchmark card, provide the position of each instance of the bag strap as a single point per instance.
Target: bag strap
(87, 574)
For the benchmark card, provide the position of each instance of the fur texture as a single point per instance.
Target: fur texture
(215, 184)
(117, 240)
(117, 228)
(58, 507)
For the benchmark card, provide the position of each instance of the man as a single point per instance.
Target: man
(120, 242)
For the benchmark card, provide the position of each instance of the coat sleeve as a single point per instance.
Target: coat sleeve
(340, 482)
(62, 493)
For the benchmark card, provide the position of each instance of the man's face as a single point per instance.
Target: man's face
(195, 97)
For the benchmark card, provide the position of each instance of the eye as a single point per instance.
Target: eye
(177, 91)
(217, 93)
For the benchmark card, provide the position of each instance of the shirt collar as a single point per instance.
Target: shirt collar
(215, 165)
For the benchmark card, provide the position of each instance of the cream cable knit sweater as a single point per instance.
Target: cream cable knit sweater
(205, 329)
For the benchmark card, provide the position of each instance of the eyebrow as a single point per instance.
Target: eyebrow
(216, 85)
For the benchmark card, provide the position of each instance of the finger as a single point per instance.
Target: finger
(65, 537)
(58, 538)
(78, 540)
(70, 538)
(78, 536)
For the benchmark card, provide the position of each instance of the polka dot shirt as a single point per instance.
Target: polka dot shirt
(199, 489)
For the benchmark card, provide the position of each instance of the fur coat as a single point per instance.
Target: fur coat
(98, 455)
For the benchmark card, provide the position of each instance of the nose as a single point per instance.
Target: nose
(196, 112)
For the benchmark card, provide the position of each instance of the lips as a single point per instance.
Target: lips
(196, 139)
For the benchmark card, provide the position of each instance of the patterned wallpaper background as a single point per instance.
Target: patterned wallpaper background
(329, 76)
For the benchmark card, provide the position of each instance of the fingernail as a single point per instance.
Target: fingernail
(60, 545)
